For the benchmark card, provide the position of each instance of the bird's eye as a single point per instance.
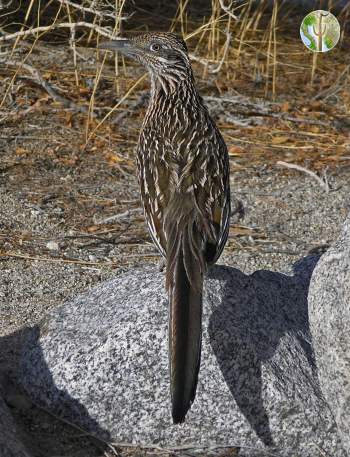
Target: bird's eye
(155, 47)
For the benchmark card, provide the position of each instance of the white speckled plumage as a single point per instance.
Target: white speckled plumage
(183, 171)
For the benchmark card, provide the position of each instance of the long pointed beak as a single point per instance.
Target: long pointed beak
(120, 44)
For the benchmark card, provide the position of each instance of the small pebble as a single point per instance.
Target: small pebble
(52, 245)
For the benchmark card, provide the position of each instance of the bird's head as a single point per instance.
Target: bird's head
(163, 54)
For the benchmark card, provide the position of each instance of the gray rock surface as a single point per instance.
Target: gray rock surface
(101, 361)
(329, 302)
(10, 443)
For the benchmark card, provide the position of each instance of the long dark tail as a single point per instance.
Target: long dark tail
(185, 284)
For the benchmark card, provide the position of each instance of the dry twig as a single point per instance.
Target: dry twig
(73, 261)
(263, 109)
(322, 183)
(93, 10)
(104, 31)
(120, 216)
(227, 9)
(224, 54)
(45, 85)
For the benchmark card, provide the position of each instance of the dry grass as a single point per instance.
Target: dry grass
(246, 43)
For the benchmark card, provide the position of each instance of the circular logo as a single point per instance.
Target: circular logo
(320, 31)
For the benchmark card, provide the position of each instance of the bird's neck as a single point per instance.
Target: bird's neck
(174, 89)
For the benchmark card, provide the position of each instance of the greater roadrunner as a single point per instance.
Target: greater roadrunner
(184, 177)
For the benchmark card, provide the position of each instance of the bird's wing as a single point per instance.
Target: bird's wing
(200, 168)
(154, 176)
(212, 193)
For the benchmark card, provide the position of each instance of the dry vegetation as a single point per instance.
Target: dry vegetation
(70, 114)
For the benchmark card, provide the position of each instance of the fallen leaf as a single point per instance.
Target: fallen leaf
(20, 151)
(235, 150)
(93, 228)
(69, 117)
(285, 106)
(279, 139)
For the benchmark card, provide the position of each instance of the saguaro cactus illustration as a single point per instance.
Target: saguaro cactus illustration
(321, 29)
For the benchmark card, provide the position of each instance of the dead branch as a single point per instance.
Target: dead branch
(120, 216)
(262, 106)
(321, 182)
(297, 120)
(250, 108)
(37, 78)
(104, 31)
(58, 259)
(73, 261)
(227, 9)
(6, 117)
(93, 10)
(224, 54)
(200, 60)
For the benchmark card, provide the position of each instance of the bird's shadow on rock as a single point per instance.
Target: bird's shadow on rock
(246, 328)
(54, 410)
